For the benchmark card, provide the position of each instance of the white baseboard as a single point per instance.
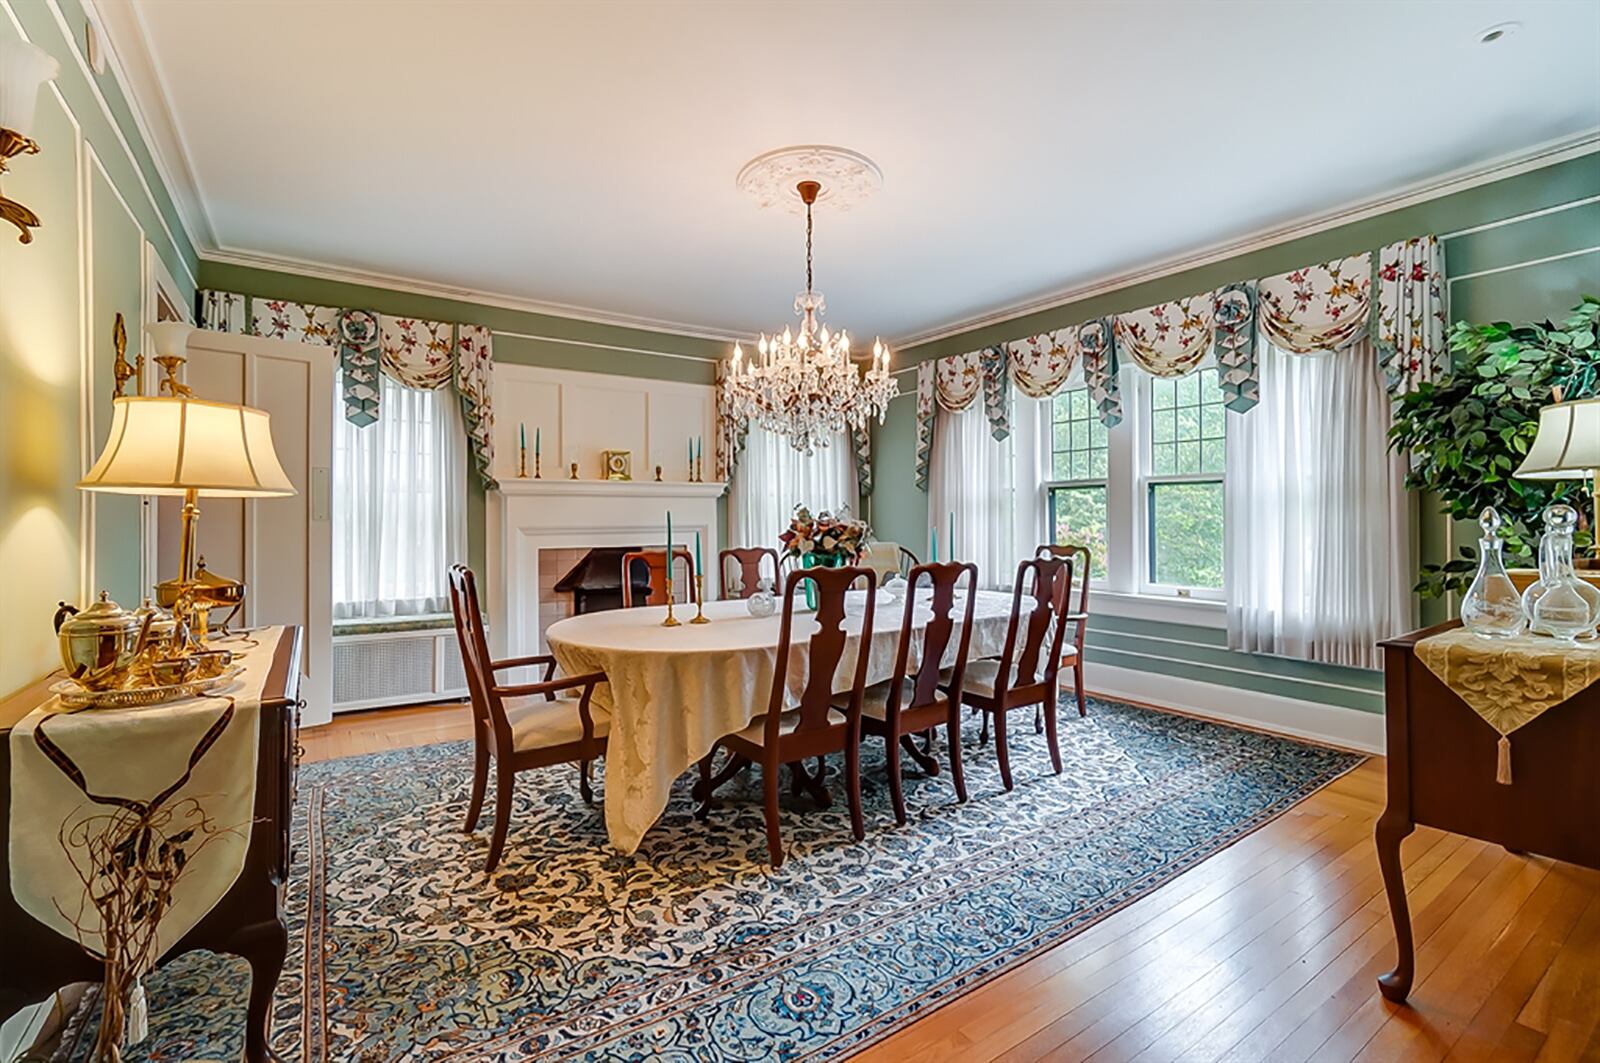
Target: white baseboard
(1333, 724)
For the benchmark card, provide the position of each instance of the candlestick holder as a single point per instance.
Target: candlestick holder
(691, 470)
(573, 475)
(670, 621)
(658, 474)
(536, 475)
(700, 470)
(700, 600)
(522, 462)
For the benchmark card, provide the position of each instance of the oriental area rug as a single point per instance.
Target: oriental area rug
(401, 948)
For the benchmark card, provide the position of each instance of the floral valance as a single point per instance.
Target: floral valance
(1097, 346)
(418, 354)
(1317, 308)
(1041, 364)
(958, 380)
(927, 388)
(1234, 322)
(1413, 315)
(1168, 339)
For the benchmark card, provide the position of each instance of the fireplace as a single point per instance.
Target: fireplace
(595, 582)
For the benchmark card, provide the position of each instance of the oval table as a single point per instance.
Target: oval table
(672, 692)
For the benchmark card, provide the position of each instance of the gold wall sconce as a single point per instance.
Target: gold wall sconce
(24, 69)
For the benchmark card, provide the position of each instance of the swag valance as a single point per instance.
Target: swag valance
(1395, 297)
(426, 355)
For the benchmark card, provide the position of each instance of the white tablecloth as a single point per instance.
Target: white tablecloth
(675, 691)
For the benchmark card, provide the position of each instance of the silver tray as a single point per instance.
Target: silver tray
(74, 696)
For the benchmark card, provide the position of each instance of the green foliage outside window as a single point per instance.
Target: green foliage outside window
(1186, 534)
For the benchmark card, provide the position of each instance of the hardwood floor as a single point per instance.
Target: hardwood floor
(1268, 951)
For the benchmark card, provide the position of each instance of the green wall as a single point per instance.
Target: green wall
(1532, 268)
(101, 201)
(568, 343)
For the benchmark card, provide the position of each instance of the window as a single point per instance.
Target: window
(399, 504)
(1182, 483)
(1076, 477)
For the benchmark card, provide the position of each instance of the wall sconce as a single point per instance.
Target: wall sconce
(24, 68)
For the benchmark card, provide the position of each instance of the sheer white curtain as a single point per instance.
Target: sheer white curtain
(1319, 522)
(990, 487)
(773, 477)
(399, 505)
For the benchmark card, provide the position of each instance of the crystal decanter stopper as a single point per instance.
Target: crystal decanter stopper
(1560, 604)
(1492, 607)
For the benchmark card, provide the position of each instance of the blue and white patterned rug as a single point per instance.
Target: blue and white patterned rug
(693, 949)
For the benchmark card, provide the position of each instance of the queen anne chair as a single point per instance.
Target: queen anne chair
(656, 560)
(520, 726)
(1072, 652)
(912, 700)
(814, 727)
(1033, 646)
(746, 561)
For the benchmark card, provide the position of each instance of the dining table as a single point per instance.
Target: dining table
(672, 692)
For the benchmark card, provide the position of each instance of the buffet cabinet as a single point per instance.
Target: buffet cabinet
(248, 921)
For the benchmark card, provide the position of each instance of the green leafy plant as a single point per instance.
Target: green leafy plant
(1467, 432)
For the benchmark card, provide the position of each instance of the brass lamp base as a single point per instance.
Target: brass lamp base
(193, 593)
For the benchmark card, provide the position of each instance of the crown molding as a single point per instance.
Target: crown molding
(134, 68)
(417, 286)
(1547, 154)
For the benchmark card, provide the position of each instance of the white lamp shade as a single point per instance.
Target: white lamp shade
(164, 446)
(24, 68)
(169, 338)
(1568, 444)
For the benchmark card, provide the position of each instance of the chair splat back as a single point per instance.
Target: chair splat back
(826, 646)
(474, 645)
(943, 580)
(1081, 564)
(656, 561)
(1050, 588)
(747, 562)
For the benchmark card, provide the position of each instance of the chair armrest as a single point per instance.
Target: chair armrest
(1076, 616)
(587, 681)
(523, 662)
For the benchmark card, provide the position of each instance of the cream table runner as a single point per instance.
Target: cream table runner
(672, 692)
(133, 756)
(1509, 682)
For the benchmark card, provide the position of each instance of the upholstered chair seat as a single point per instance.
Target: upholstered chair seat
(982, 675)
(538, 723)
(875, 699)
(755, 731)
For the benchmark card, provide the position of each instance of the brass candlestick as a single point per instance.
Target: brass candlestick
(573, 475)
(536, 475)
(658, 474)
(700, 600)
(670, 621)
(522, 461)
(700, 470)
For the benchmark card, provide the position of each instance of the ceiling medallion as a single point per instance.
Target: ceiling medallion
(804, 386)
(845, 177)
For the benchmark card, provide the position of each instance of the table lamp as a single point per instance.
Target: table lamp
(1568, 448)
(176, 444)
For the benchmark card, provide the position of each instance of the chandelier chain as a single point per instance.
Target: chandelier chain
(808, 248)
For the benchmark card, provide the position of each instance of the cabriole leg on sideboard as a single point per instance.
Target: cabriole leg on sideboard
(1396, 984)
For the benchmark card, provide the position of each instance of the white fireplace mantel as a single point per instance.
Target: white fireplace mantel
(526, 516)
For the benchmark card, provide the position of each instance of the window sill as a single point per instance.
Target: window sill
(1160, 608)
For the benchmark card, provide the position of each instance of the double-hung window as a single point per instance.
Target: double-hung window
(1077, 470)
(1183, 455)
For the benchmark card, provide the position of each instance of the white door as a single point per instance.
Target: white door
(281, 547)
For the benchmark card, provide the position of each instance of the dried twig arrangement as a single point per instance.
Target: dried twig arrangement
(129, 860)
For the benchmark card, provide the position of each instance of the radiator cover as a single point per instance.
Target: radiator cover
(382, 668)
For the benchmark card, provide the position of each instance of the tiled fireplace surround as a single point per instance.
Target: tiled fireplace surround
(538, 530)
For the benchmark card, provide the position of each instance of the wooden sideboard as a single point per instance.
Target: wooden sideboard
(1441, 766)
(247, 922)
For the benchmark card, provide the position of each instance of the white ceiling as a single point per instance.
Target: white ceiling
(584, 154)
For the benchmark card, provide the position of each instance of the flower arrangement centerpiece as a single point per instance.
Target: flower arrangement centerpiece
(824, 539)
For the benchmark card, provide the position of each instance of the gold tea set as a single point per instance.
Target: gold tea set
(119, 658)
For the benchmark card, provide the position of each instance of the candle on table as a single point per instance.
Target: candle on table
(669, 540)
(699, 565)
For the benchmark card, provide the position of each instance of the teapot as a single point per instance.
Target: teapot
(100, 644)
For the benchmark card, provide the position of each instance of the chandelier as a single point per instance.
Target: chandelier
(804, 385)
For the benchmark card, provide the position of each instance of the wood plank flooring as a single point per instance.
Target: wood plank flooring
(1268, 951)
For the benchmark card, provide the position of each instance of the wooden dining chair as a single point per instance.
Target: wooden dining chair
(520, 726)
(656, 560)
(746, 564)
(913, 700)
(814, 727)
(1072, 651)
(1033, 650)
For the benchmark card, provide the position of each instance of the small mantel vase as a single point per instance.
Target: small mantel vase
(1492, 607)
(1560, 604)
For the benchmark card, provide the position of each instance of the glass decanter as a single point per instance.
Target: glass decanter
(762, 603)
(1560, 604)
(1492, 607)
